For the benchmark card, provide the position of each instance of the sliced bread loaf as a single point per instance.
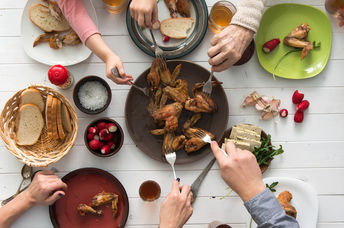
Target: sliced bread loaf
(29, 125)
(48, 115)
(66, 122)
(59, 120)
(54, 118)
(41, 17)
(32, 96)
(177, 28)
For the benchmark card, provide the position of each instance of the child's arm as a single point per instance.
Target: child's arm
(78, 18)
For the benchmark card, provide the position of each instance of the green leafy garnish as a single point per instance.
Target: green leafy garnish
(315, 46)
(265, 153)
(272, 186)
(228, 194)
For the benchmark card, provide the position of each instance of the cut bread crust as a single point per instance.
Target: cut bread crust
(59, 120)
(30, 124)
(176, 28)
(48, 113)
(54, 118)
(66, 121)
(41, 17)
(32, 96)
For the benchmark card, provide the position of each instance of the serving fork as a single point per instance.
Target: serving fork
(171, 159)
(205, 138)
(159, 53)
(208, 87)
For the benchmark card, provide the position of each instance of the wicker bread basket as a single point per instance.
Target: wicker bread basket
(46, 151)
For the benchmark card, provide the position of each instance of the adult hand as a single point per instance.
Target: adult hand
(176, 208)
(228, 47)
(239, 170)
(45, 188)
(113, 61)
(145, 12)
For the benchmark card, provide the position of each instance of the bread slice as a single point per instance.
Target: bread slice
(66, 122)
(177, 28)
(54, 118)
(60, 130)
(32, 96)
(48, 115)
(29, 125)
(41, 17)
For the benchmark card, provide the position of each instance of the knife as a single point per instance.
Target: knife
(197, 183)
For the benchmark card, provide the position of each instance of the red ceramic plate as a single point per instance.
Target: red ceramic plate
(83, 184)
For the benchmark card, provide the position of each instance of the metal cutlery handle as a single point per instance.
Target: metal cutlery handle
(153, 38)
(197, 183)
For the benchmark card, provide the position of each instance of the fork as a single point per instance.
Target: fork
(159, 53)
(208, 87)
(171, 159)
(205, 138)
(145, 90)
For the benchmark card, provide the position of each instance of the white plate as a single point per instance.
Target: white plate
(67, 55)
(305, 200)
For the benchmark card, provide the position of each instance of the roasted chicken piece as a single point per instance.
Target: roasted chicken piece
(284, 199)
(172, 7)
(194, 143)
(178, 142)
(178, 94)
(84, 209)
(183, 7)
(71, 38)
(176, 72)
(55, 42)
(45, 37)
(54, 9)
(114, 206)
(170, 114)
(297, 38)
(192, 121)
(159, 67)
(103, 198)
(200, 101)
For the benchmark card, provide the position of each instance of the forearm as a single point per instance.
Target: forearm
(249, 13)
(14, 209)
(267, 212)
(97, 45)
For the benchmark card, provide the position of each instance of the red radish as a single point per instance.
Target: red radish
(103, 133)
(298, 117)
(297, 97)
(284, 113)
(101, 125)
(101, 144)
(58, 75)
(166, 38)
(105, 149)
(107, 138)
(93, 130)
(111, 144)
(303, 105)
(96, 137)
(111, 127)
(270, 45)
(95, 144)
(90, 136)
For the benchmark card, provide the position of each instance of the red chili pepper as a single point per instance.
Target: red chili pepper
(303, 105)
(298, 117)
(297, 97)
(270, 45)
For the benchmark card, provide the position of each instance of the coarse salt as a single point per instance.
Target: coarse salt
(93, 95)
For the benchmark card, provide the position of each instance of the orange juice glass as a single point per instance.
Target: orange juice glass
(115, 6)
(221, 15)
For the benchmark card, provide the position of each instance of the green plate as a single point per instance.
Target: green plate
(277, 22)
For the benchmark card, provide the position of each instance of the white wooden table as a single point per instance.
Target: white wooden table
(313, 150)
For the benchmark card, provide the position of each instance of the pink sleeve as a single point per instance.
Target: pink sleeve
(77, 16)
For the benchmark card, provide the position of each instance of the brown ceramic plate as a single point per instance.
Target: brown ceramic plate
(139, 121)
(83, 184)
(227, 133)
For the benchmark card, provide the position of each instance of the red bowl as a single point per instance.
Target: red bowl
(118, 138)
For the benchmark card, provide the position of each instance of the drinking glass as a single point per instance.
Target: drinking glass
(115, 6)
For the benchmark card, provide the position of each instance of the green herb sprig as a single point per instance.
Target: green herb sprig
(272, 186)
(265, 153)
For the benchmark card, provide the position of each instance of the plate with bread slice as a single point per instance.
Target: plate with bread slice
(181, 27)
(47, 36)
(38, 125)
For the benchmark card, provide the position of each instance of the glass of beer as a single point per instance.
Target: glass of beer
(221, 15)
(149, 190)
(115, 6)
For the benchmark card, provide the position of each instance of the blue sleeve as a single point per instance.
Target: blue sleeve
(267, 212)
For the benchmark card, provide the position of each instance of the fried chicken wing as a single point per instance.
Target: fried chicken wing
(71, 38)
(194, 143)
(159, 67)
(172, 7)
(300, 32)
(114, 206)
(192, 121)
(102, 198)
(170, 114)
(183, 7)
(178, 94)
(45, 37)
(284, 199)
(84, 209)
(55, 42)
(200, 101)
(297, 38)
(178, 142)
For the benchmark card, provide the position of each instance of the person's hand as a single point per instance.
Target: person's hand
(145, 12)
(45, 188)
(239, 170)
(113, 61)
(228, 47)
(176, 208)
